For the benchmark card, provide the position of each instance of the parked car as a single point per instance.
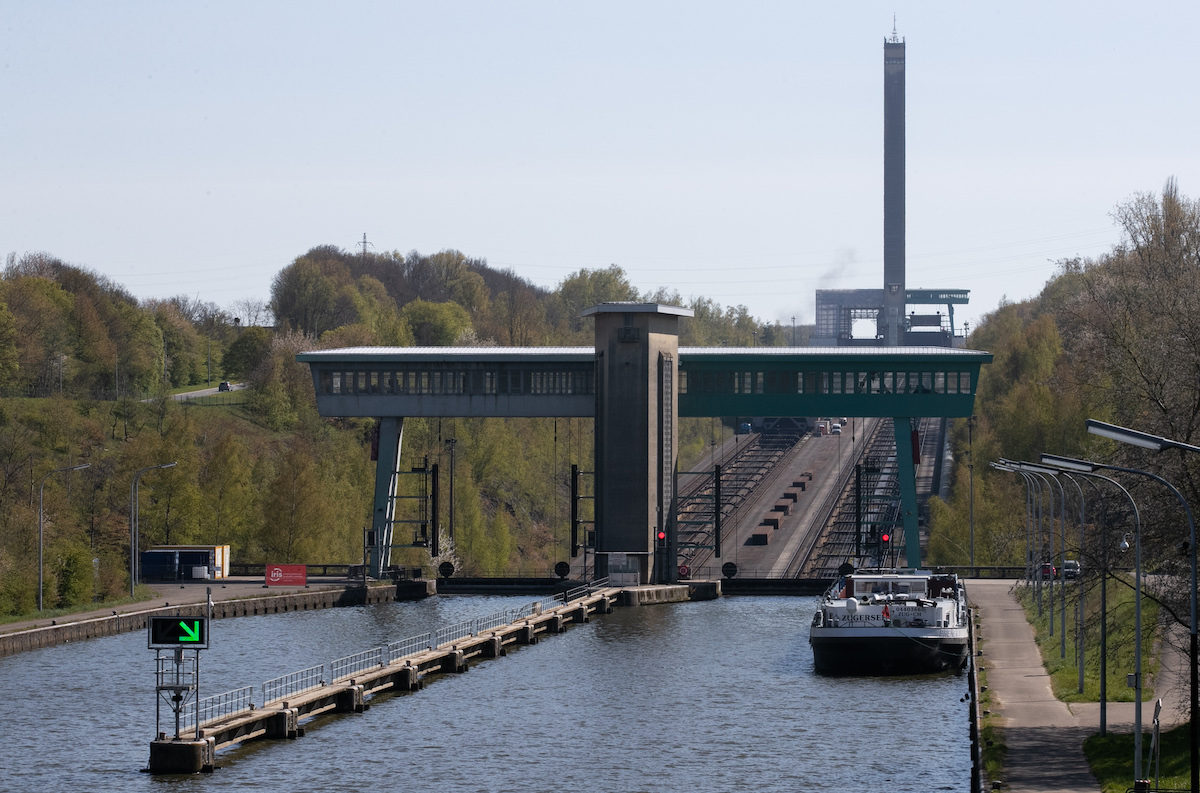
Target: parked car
(225, 386)
(1049, 570)
(1071, 569)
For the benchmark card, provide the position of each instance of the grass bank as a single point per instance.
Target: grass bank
(1111, 758)
(141, 593)
(1119, 616)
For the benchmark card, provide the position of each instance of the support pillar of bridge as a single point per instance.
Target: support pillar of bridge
(637, 357)
(391, 433)
(906, 463)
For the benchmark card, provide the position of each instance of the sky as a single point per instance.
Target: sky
(726, 150)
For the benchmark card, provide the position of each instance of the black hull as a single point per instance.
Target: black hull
(887, 655)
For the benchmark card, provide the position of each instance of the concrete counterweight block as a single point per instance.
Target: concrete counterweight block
(556, 624)
(527, 634)
(604, 605)
(351, 700)
(182, 757)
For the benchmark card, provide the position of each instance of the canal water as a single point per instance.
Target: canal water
(710, 696)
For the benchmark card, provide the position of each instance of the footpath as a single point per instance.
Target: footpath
(1045, 735)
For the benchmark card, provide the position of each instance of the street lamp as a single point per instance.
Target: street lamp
(1049, 459)
(1043, 471)
(134, 534)
(41, 490)
(1158, 444)
(1028, 515)
(1087, 466)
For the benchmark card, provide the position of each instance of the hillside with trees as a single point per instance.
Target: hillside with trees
(1115, 338)
(87, 370)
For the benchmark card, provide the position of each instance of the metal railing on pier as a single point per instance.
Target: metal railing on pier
(233, 703)
(413, 644)
(292, 684)
(582, 591)
(215, 708)
(343, 668)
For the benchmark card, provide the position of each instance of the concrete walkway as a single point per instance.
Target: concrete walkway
(1044, 735)
(182, 593)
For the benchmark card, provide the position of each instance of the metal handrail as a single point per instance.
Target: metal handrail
(582, 591)
(451, 633)
(217, 707)
(289, 685)
(494, 620)
(359, 662)
(413, 644)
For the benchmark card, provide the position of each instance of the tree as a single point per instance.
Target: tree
(9, 364)
(585, 288)
(305, 298)
(436, 324)
(295, 507)
(246, 352)
(227, 492)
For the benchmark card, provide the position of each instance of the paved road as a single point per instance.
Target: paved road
(1045, 736)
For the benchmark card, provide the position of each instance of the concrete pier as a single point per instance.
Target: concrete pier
(352, 693)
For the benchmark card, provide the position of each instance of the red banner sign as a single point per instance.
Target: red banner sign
(287, 575)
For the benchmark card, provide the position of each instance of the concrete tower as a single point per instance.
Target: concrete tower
(892, 321)
(637, 352)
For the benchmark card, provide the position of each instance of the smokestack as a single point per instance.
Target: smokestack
(893, 191)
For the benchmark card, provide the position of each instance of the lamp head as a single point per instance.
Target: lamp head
(1125, 435)
(1069, 463)
(1125, 543)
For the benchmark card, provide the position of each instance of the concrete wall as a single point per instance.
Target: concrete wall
(50, 635)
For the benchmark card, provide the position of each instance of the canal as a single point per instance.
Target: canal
(709, 696)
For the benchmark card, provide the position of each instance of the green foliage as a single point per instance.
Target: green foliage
(9, 364)
(1111, 759)
(246, 353)
(436, 324)
(1064, 672)
(72, 570)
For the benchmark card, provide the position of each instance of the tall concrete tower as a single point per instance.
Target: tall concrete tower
(893, 191)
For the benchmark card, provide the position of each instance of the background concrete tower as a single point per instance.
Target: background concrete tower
(893, 192)
(637, 355)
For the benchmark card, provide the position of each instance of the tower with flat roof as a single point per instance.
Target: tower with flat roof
(892, 324)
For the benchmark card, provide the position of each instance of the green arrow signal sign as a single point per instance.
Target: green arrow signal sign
(177, 632)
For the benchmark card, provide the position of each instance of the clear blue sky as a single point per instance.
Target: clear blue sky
(733, 150)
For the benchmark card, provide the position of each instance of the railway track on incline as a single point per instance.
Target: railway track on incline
(742, 470)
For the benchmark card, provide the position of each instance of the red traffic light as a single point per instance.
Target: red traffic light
(662, 535)
(886, 537)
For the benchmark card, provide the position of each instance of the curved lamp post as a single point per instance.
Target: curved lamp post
(133, 525)
(41, 490)
(1158, 444)
(1087, 467)
(1052, 473)
(1104, 584)
(1028, 515)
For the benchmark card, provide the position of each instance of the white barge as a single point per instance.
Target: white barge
(891, 622)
